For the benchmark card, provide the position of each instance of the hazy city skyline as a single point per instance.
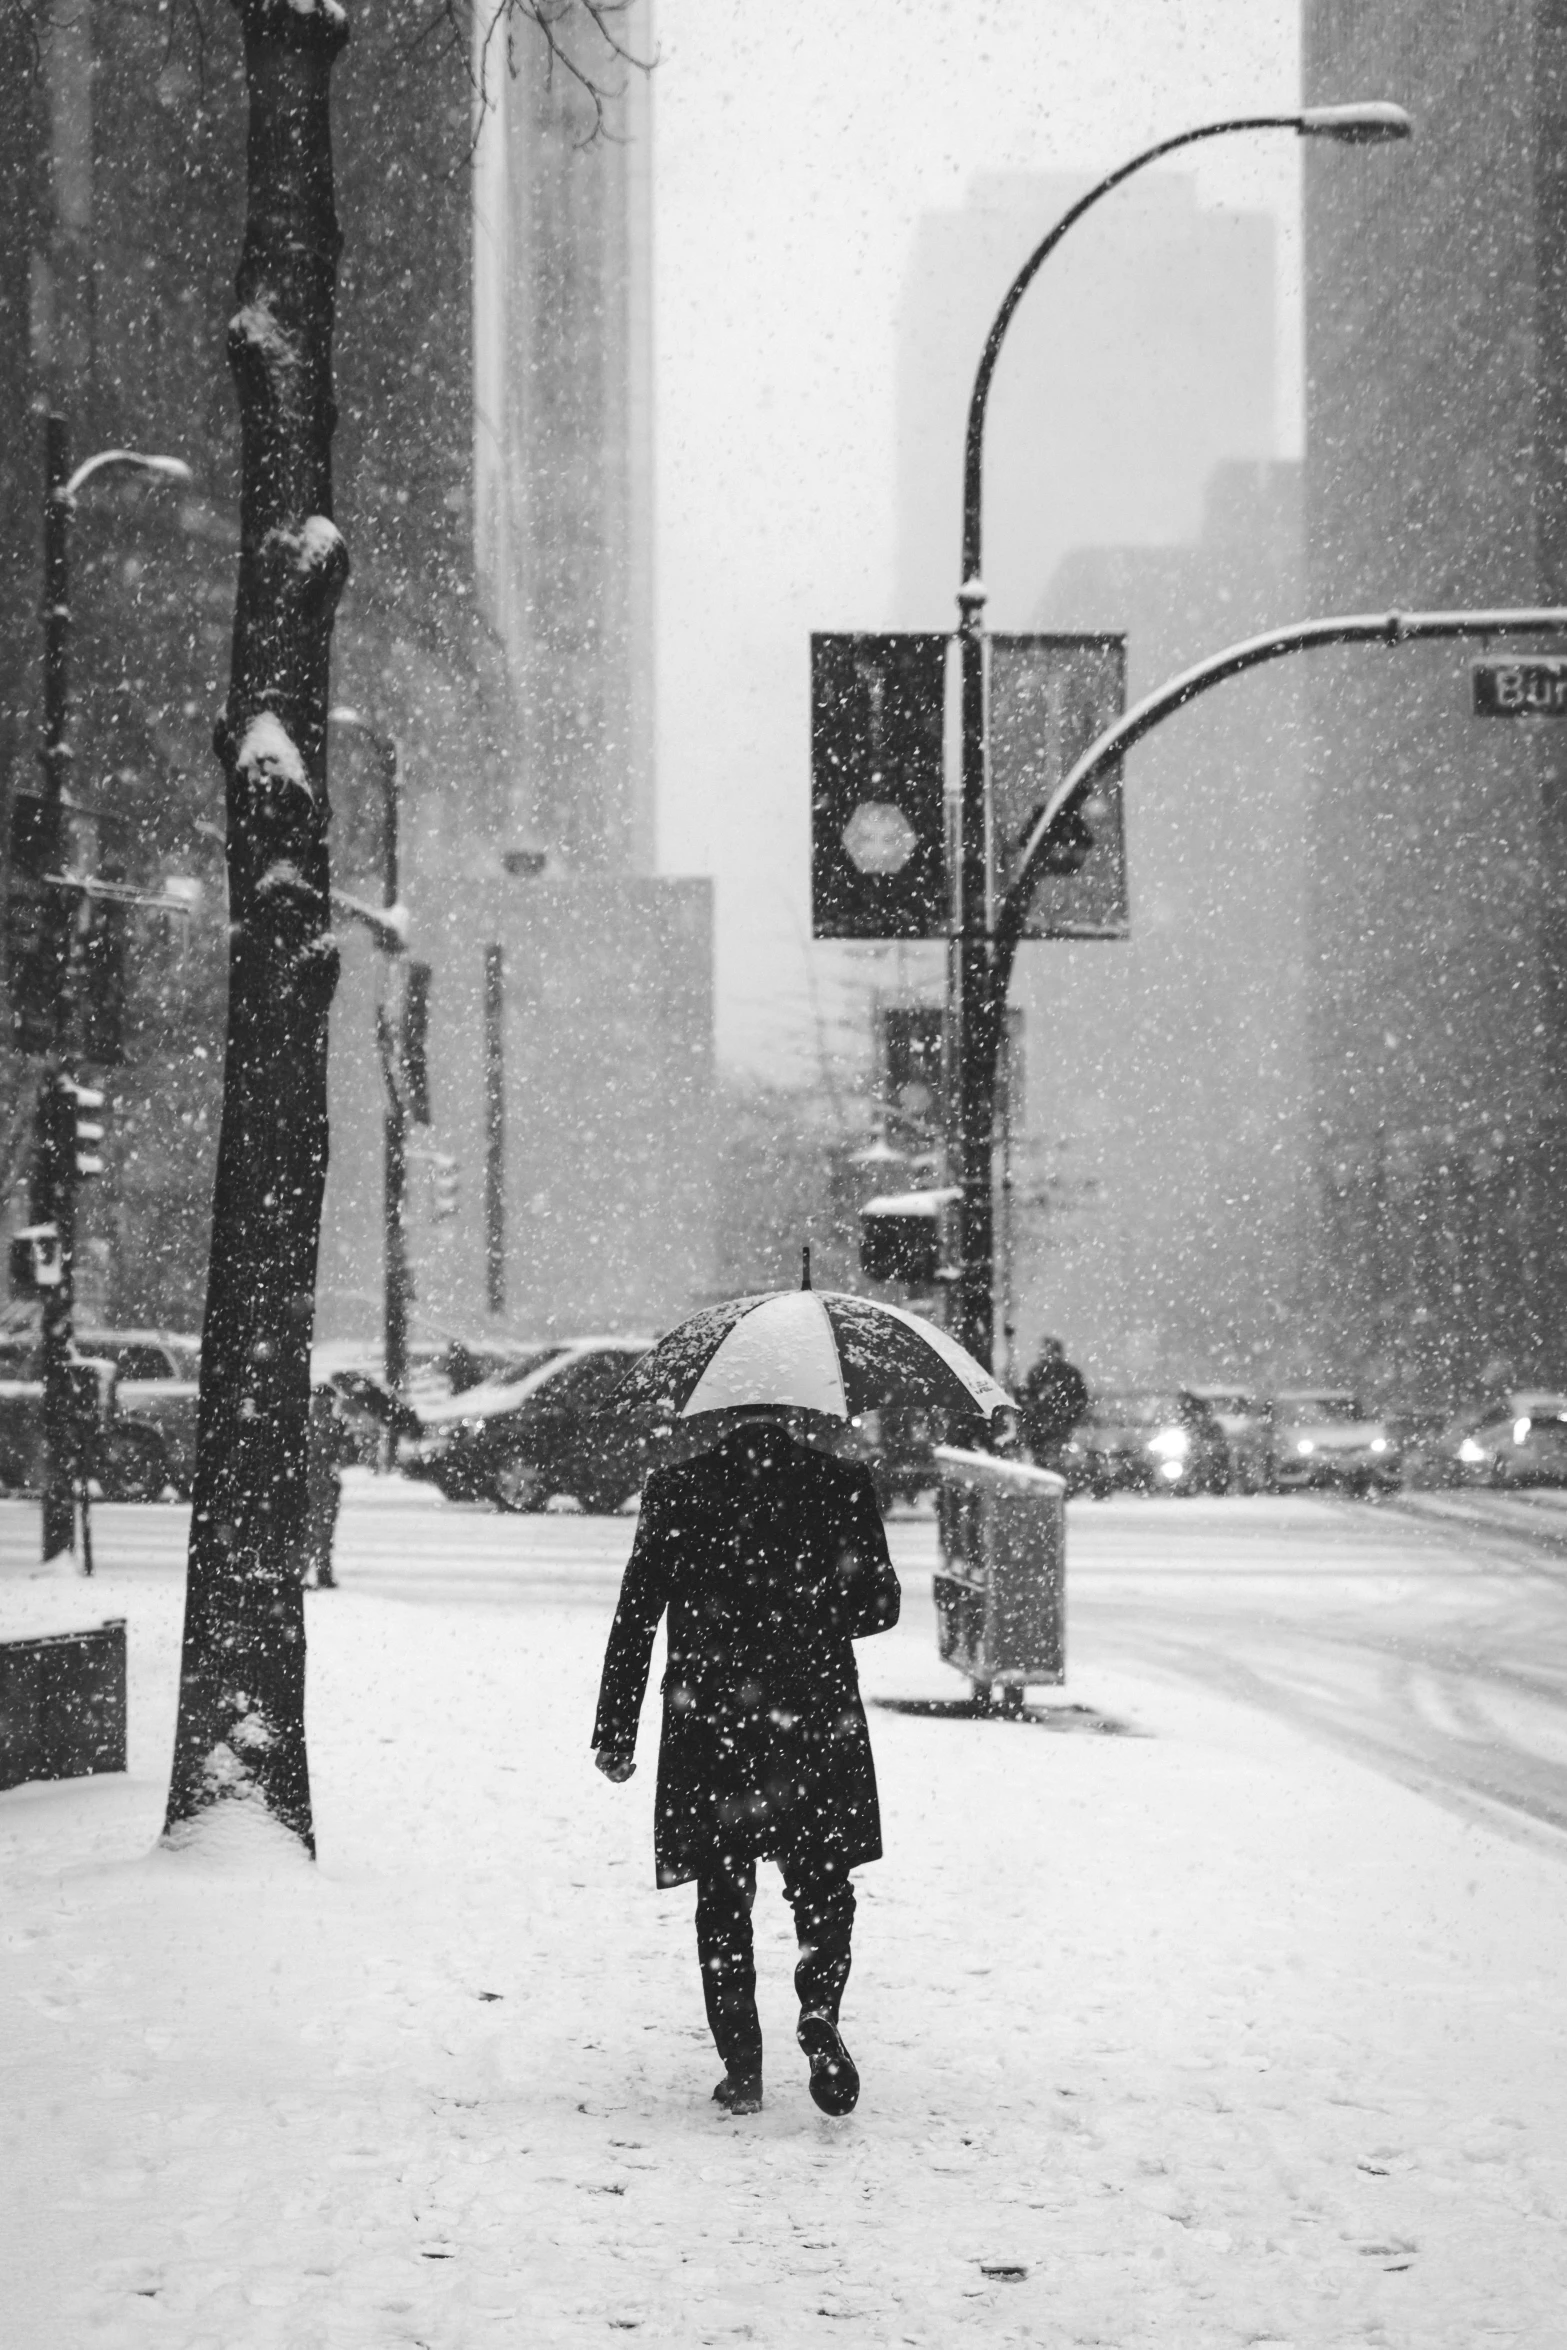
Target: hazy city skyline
(794, 157)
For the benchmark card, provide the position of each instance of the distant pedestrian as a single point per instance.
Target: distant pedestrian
(1055, 1397)
(329, 1443)
(771, 1560)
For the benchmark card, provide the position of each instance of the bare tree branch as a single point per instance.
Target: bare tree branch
(591, 61)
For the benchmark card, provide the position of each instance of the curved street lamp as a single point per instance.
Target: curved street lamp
(976, 1004)
(390, 930)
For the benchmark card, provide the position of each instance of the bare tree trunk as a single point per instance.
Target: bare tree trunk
(241, 1731)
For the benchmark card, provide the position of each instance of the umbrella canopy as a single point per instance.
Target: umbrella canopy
(807, 1350)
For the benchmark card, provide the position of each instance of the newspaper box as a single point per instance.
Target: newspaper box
(1001, 1585)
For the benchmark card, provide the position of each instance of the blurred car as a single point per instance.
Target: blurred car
(1519, 1440)
(898, 1445)
(1155, 1440)
(534, 1429)
(1428, 1442)
(150, 1442)
(1247, 1423)
(1324, 1438)
(144, 1441)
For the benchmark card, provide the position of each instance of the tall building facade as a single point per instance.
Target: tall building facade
(1436, 350)
(1141, 357)
(513, 680)
(1131, 484)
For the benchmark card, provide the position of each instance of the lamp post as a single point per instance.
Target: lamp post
(64, 897)
(976, 1005)
(391, 939)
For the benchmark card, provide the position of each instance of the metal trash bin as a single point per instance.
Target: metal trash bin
(1001, 1587)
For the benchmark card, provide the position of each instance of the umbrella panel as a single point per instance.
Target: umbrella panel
(889, 1357)
(659, 1382)
(886, 1356)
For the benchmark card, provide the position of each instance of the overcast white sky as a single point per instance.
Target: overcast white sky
(795, 147)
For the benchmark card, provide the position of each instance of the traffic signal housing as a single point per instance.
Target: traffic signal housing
(901, 1237)
(35, 1260)
(444, 1179)
(84, 1138)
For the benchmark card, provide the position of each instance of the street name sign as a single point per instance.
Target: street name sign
(1531, 688)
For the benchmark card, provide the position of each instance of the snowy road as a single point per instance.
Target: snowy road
(1239, 2032)
(1427, 1637)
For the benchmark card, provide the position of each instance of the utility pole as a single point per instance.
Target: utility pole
(54, 1166)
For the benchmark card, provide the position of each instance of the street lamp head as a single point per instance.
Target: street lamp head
(1370, 124)
(173, 469)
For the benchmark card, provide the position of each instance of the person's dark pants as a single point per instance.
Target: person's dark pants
(321, 1507)
(822, 1899)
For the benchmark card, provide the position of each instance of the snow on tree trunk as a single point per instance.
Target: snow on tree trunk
(241, 1733)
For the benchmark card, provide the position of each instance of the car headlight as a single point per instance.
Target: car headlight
(1520, 1430)
(1471, 1452)
(1304, 1444)
(1379, 1444)
(1171, 1444)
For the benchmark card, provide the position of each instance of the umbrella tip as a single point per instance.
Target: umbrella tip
(805, 1266)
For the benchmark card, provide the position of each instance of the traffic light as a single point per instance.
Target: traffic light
(443, 1185)
(86, 1126)
(912, 1066)
(900, 1237)
(75, 1137)
(36, 934)
(35, 1259)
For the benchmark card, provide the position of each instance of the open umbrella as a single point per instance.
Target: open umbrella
(820, 1353)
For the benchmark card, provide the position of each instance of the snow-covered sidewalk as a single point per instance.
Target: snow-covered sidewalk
(1194, 2036)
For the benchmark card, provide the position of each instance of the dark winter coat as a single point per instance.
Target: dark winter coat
(1055, 1397)
(770, 1559)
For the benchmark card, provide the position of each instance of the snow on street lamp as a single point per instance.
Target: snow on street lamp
(975, 1003)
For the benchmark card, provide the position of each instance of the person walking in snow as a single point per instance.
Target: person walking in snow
(770, 1560)
(1054, 1398)
(328, 1444)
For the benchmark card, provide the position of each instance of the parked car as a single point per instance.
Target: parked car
(535, 1429)
(1157, 1440)
(1247, 1423)
(1521, 1439)
(1324, 1438)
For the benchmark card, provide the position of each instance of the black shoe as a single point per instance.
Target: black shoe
(739, 2093)
(835, 2084)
